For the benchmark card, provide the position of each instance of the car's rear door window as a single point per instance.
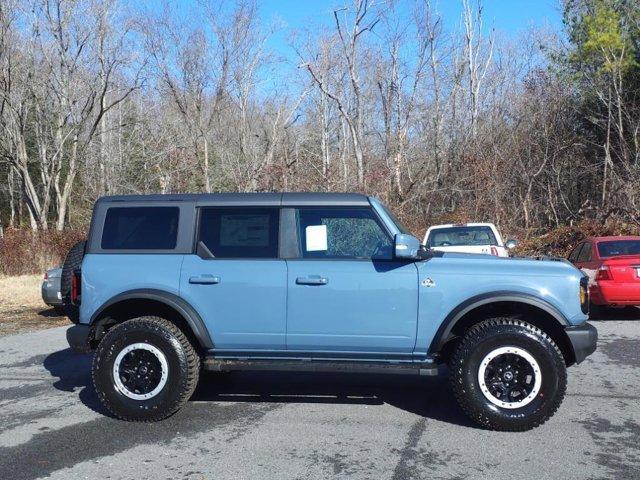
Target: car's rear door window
(240, 232)
(585, 253)
(573, 256)
(140, 228)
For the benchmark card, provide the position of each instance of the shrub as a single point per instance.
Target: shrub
(25, 252)
(560, 241)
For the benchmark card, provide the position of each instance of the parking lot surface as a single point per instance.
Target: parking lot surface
(312, 426)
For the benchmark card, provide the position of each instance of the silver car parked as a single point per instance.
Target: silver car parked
(51, 289)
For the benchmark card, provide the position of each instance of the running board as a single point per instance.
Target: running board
(227, 365)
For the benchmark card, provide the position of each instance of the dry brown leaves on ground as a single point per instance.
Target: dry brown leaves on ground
(21, 307)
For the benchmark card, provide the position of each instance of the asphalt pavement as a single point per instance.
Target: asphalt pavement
(312, 426)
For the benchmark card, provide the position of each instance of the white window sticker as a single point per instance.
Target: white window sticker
(316, 236)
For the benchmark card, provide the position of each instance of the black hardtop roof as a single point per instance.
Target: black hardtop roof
(248, 199)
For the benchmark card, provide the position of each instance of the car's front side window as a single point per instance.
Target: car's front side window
(343, 233)
(240, 232)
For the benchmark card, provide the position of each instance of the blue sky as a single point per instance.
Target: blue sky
(508, 17)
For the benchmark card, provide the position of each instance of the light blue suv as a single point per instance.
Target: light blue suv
(167, 285)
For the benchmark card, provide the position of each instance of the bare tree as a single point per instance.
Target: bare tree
(476, 65)
(351, 24)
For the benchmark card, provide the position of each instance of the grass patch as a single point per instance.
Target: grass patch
(22, 308)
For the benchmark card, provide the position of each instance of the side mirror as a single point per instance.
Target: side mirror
(511, 244)
(406, 246)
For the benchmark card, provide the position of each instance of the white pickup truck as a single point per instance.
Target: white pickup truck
(468, 238)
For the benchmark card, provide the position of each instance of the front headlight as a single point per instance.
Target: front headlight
(584, 294)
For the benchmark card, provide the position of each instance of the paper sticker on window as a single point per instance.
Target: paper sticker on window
(316, 237)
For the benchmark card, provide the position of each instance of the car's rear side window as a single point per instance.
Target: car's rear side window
(140, 228)
(240, 232)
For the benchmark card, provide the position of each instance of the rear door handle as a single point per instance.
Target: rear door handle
(205, 279)
(312, 280)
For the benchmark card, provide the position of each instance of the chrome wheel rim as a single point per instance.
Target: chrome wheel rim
(509, 377)
(140, 371)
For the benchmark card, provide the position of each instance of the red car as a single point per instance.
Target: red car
(613, 267)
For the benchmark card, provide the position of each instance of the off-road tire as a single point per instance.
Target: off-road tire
(183, 369)
(72, 261)
(501, 332)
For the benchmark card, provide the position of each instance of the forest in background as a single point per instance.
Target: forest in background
(538, 134)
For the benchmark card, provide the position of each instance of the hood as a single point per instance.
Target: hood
(467, 255)
(507, 265)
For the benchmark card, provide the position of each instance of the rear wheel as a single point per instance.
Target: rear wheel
(508, 375)
(145, 369)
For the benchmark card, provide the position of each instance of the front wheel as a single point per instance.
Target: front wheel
(508, 375)
(145, 369)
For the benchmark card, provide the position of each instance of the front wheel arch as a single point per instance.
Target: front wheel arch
(463, 318)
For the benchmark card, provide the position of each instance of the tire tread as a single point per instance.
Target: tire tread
(72, 261)
(192, 373)
(473, 336)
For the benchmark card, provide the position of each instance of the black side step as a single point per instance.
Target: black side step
(313, 365)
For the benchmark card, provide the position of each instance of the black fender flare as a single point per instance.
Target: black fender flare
(191, 316)
(444, 331)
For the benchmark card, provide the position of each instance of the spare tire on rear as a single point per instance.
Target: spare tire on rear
(71, 263)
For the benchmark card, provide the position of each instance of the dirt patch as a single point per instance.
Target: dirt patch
(21, 307)
(29, 319)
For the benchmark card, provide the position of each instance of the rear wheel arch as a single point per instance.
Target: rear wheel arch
(148, 302)
(528, 308)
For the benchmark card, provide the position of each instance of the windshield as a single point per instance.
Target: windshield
(619, 247)
(393, 218)
(457, 236)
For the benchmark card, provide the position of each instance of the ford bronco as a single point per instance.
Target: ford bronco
(168, 285)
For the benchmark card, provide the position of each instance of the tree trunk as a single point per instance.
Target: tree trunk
(207, 183)
(12, 205)
(326, 159)
(36, 216)
(63, 203)
(357, 151)
(607, 154)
